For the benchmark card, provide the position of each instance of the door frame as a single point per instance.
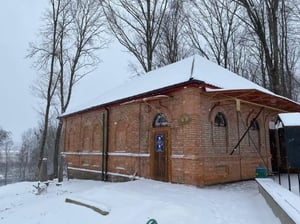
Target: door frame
(168, 152)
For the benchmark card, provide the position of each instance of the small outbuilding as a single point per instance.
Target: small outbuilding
(288, 142)
(190, 122)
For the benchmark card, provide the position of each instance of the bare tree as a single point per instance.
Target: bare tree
(289, 50)
(265, 18)
(25, 155)
(5, 146)
(29, 153)
(45, 54)
(82, 34)
(73, 32)
(137, 24)
(172, 44)
(215, 32)
(3, 136)
(250, 37)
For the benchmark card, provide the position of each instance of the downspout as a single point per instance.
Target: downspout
(107, 142)
(103, 146)
(105, 125)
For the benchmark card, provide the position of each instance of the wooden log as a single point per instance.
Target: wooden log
(85, 204)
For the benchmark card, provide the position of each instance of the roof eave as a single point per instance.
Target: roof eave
(139, 96)
(258, 97)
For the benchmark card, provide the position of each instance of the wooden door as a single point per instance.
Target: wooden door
(159, 156)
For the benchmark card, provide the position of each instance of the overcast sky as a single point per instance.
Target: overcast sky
(20, 20)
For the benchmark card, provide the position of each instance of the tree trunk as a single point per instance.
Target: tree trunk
(6, 165)
(51, 84)
(57, 149)
(43, 175)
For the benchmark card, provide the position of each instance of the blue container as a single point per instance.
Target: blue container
(261, 172)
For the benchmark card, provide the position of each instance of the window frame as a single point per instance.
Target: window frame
(160, 120)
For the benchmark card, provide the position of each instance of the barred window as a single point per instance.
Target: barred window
(220, 120)
(254, 125)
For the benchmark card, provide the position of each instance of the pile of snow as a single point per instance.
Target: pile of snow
(135, 202)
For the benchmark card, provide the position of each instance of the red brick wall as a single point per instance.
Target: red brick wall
(200, 151)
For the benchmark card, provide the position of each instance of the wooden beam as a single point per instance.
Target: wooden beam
(264, 106)
(93, 207)
(225, 97)
(238, 105)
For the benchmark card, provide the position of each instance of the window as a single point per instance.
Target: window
(160, 120)
(254, 125)
(220, 120)
(159, 143)
(220, 134)
(254, 136)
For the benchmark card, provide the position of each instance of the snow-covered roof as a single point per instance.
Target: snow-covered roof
(195, 67)
(290, 119)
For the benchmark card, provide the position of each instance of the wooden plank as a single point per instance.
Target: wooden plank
(93, 207)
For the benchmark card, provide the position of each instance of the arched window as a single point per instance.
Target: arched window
(220, 133)
(254, 136)
(220, 120)
(160, 120)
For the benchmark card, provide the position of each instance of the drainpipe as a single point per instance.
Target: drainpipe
(103, 146)
(105, 139)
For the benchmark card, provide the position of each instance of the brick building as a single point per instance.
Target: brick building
(190, 122)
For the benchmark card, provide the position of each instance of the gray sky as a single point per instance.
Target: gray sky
(19, 22)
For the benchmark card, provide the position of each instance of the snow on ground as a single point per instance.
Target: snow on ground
(135, 202)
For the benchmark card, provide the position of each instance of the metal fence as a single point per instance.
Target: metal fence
(290, 181)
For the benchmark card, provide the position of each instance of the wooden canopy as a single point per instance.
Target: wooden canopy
(256, 97)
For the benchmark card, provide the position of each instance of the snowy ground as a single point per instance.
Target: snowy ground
(135, 202)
